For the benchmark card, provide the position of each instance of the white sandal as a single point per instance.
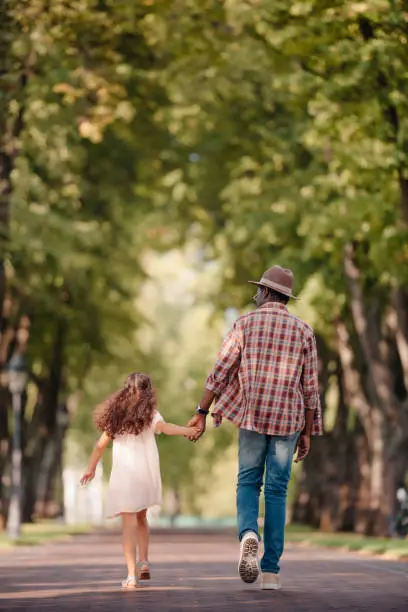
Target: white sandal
(131, 582)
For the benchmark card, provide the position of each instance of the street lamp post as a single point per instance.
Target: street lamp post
(17, 381)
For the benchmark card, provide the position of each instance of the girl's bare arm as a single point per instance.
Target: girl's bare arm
(95, 457)
(174, 430)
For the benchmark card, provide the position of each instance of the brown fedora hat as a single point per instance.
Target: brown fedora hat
(277, 278)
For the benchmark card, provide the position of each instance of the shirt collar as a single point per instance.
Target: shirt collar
(274, 306)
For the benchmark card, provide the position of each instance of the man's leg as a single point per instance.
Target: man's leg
(278, 468)
(251, 455)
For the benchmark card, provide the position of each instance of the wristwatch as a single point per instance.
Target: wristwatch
(201, 411)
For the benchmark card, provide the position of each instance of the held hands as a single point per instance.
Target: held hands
(193, 432)
(197, 425)
(302, 447)
(87, 477)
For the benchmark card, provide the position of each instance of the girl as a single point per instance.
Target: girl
(131, 419)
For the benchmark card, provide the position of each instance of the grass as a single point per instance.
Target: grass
(393, 548)
(39, 533)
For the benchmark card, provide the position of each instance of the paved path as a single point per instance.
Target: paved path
(193, 571)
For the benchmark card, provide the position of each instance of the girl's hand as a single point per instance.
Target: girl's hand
(87, 477)
(193, 432)
(197, 424)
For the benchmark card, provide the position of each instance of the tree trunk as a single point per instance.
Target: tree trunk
(32, 468)
(381, 474)
(362, 523)
(44, 476)
(51, 443)
(386, 425)
(55, 377)
(376, 476)
(403, 182)
(312, 485)
(54, 497)
(379, 378)
(4, 452)
(33, 457)
(341, 450)
(308, 503)
(400, 300)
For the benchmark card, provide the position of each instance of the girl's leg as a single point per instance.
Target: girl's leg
(129, 541)
(142, 535)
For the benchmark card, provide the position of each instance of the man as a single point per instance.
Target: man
(265, 380)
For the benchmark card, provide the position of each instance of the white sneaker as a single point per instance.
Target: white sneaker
(248, 566)
(270, 582)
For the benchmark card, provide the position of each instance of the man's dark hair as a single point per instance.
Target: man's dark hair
(275, 296)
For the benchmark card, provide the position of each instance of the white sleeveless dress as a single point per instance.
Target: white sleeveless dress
(135, 481)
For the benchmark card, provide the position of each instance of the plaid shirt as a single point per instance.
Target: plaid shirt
(266, 373)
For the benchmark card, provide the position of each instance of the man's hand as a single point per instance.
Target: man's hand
(198, 421)
(302, 447)
(217, 420)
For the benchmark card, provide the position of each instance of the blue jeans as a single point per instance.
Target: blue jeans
(272, 455)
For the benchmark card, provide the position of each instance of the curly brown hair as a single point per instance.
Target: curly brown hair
(129, 410)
